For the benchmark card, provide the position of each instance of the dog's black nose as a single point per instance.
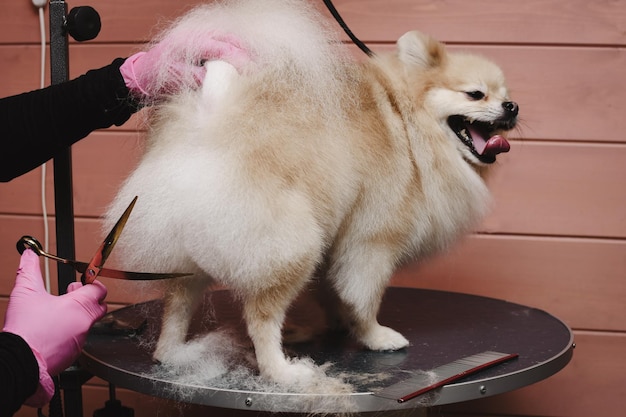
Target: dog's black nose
(511, 108)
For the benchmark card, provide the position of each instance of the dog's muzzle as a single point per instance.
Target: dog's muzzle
(483, 139)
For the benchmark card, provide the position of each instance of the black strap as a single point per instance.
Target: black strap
(346, 29)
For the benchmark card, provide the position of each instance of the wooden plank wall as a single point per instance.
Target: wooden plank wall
(556, 239)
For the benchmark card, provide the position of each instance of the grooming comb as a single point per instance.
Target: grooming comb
(442, 375)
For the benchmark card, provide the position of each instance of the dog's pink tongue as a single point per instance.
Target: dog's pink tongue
(493, 146)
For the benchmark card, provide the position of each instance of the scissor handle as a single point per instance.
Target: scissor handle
(29, 242)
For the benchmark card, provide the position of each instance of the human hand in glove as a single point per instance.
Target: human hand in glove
(177, 62)
(55, 327)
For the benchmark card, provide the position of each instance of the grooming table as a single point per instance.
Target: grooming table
(442, 327)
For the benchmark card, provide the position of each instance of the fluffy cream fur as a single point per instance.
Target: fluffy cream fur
(303, 161)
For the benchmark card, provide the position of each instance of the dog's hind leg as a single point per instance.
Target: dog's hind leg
(181, 300)
(264, 313)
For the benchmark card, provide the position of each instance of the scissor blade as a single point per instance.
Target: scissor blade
(94, 268)
(114, 234)
(29, 242)
(131, 276)
(140, 276)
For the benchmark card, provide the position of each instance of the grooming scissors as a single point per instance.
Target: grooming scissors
(95, 267)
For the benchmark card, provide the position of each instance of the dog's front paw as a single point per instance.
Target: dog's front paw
(294, 372)
(383, 338)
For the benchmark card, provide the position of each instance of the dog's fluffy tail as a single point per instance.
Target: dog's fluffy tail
(285, 37)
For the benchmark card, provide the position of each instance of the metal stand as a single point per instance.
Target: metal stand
(82, 23)
(63, 186)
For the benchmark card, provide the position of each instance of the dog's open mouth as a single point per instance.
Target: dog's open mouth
(482, 139)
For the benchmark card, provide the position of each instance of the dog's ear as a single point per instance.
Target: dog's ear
(416, 48)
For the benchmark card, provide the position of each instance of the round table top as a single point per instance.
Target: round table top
(442, 327)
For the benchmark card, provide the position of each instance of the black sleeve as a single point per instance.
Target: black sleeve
(19, 373)
(37, 125)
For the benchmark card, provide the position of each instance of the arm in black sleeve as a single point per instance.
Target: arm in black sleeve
(39, 124)
(19, 373)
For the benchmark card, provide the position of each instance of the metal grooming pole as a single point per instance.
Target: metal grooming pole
(82, 23)
(63, 186)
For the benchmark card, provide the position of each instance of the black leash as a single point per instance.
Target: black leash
(346, 29)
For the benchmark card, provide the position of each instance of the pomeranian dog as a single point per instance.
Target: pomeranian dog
(304, 162)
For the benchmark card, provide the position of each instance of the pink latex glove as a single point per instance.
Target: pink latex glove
(177, 62)
(55, 327)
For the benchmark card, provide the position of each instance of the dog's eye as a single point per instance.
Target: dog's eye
(475, 95)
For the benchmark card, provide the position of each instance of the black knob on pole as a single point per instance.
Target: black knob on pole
(83, 23)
